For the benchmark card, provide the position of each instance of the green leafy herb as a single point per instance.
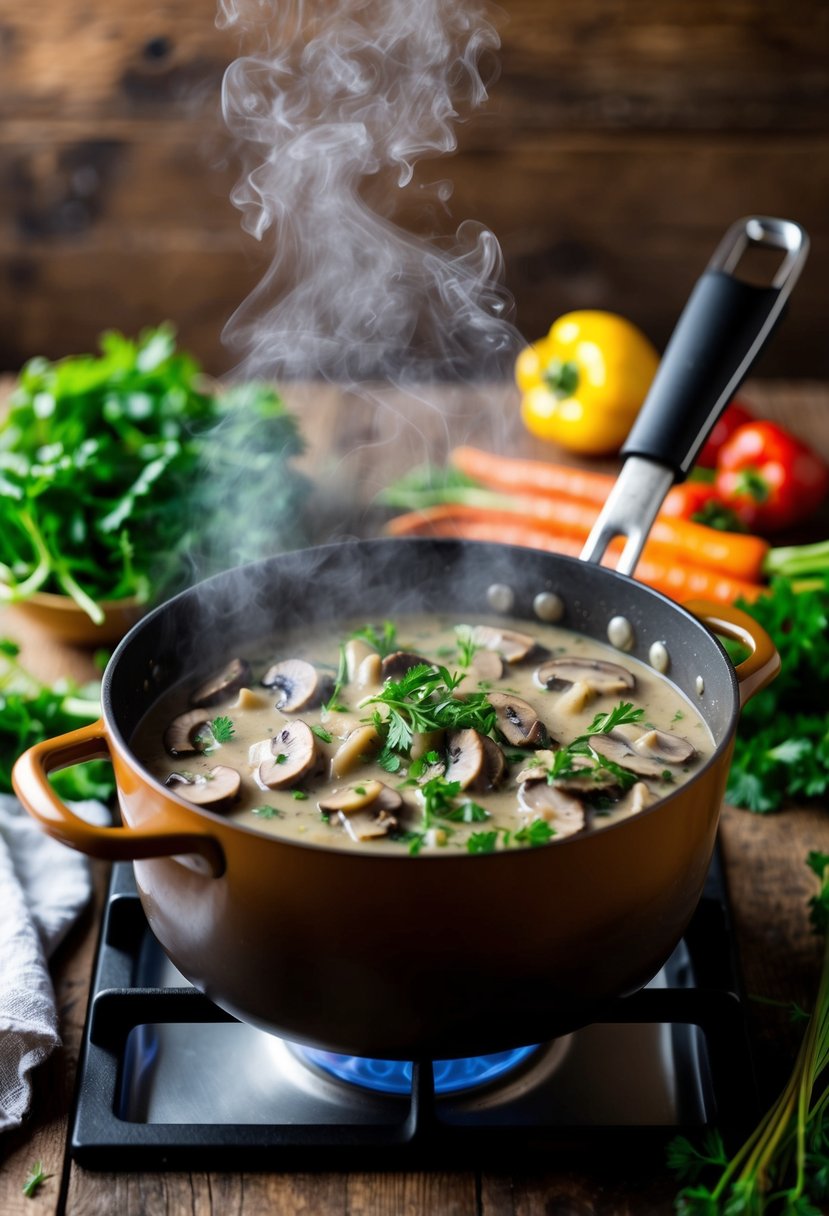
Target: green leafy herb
(120, 474)
(333, 705)
(534, 834)
(621, 715)
(422, 701)
(322, 733)
(467, 812)
(382, 637)
(31, 712)
(781, 752)
(783, 1166)
(222, 729)
(389, 760)
(35, 1180)
(482, 842)
(467, 649)
(280, 758)
(299, 795)
(270, 812)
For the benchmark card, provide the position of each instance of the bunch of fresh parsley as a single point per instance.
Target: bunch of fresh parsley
(782, 746)
(31, 711)
(123, 475)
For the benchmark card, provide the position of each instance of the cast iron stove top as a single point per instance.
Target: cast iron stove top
(168, 1080)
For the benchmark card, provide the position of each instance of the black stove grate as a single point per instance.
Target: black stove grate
(701, 1005)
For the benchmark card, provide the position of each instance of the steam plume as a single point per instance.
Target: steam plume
(334, 103)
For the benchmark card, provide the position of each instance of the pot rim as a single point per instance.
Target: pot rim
(118, 742)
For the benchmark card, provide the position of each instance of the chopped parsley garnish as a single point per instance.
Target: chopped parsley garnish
(299, 795)
(621, 715)
(271, 812)
(35, 1180)
(382, 637)
(280, 759)
(534, 834)
(422, 701)
(322, 733)
(389, 760)
(466, 647)
(333, 705)
(467, 812)
(482, 842)
(222, 729)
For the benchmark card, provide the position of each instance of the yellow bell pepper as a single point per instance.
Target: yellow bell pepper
(582, 385)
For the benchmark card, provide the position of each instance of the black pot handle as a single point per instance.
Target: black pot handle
(719, 335)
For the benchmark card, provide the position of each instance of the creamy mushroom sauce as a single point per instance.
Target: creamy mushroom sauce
(527, 805)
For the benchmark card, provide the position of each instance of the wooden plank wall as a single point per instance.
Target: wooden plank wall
(621, 138)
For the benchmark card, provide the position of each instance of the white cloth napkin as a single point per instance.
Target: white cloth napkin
(43, 887)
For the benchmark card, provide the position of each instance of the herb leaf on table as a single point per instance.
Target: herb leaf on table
(782, 746)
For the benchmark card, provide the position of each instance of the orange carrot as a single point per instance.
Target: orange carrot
(660, 566)
(511, 473)
(736, 554)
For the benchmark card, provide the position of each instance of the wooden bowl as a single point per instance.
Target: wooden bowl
(60, 616)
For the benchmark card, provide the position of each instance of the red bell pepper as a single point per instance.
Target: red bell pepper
(700, 502)
(735, 416)
(770, 479)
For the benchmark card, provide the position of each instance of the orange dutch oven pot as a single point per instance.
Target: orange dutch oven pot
(408, 957)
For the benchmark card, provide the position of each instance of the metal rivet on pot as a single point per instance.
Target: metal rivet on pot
(699, 684)
(620, 633)
(500, 597)
(548, 606)
(659, 657)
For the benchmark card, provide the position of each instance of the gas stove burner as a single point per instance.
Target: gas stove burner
(395, 1076)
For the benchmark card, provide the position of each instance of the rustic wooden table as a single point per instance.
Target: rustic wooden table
(354, 448)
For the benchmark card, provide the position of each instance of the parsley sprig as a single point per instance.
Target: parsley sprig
(382, 637)
(565, 764)
(421, 701)
(781, 751)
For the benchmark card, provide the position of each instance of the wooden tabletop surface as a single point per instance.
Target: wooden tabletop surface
(354, 448)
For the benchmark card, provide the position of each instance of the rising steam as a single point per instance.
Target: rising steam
(333, 106)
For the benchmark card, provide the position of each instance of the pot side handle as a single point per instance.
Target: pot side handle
(762, 665)
(31, 784)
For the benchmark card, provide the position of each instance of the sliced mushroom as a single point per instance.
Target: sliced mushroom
(360, 746)
(299, 684)
(425, 741)
(466, 758)
(517, 720)
(377, 819)
(394, 666)
(564, 813)
(181, 738)
(217, 788)
(294, 756)
(574, 699)
(617, 748)
(511, 645)
(228, 680)
(486, 667)
(494, 762)
(600, 675)
(370, 672)
(537, 767)
(639, 796)
(355, 651)
(352, 797)
(259, 752)
(248, 699)
(672, 749)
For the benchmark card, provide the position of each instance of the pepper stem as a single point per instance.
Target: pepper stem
(562, 379)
